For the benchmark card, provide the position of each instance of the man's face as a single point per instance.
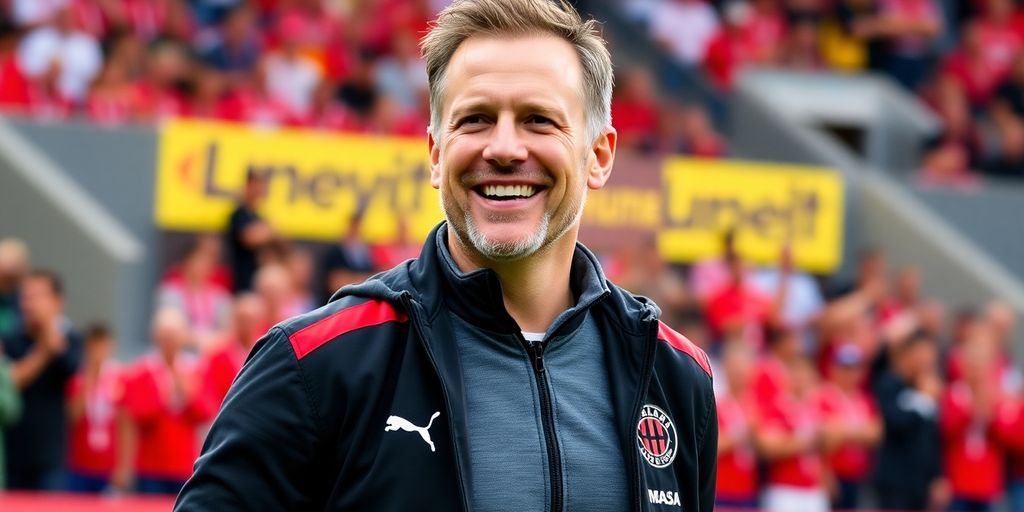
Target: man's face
(39, 303)
(513, 162)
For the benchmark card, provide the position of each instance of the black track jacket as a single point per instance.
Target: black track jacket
(308, 422)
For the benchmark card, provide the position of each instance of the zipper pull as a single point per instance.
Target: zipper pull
(538, 356)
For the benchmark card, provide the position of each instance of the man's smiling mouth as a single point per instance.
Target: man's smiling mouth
(507, 192)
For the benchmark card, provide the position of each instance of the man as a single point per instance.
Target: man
(93, 395)
(499, 370)
(44, 356)
(908, 473)
(248, 233)
(164, 405)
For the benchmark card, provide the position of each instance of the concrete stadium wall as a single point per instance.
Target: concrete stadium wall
(68, 231)
(110, 273)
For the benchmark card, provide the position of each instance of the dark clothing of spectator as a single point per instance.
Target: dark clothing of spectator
(909, 459)
(37, 444)
(359, 98)
(1013, 95)
(231, 60)
(242, 257)
(351, 257)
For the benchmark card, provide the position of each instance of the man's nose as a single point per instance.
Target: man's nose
(505, 147)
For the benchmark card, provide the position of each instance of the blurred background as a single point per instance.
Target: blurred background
(823, 194)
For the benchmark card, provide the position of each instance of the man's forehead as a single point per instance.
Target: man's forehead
(530, 67)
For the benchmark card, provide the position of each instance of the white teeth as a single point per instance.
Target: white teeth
(509, 190)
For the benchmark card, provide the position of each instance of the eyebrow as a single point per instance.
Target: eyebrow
(481, 105)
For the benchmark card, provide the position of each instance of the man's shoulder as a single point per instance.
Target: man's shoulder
(680, 344)
(345, 318)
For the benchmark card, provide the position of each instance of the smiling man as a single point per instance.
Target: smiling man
(500, 370)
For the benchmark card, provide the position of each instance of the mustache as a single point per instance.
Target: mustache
(483, 173)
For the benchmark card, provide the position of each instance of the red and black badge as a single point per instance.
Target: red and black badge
(656, 436)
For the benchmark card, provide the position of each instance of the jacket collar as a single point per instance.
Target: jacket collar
(476, 296)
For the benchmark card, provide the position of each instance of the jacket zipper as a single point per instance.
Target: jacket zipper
(414, 317)
(646, 372)
(536, 351)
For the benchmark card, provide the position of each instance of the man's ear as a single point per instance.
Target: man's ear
(603, 152)
(435, 160)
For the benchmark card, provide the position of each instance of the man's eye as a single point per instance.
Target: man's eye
(540, 120)
(473, 119)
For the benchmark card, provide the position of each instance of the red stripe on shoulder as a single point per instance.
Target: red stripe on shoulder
(680, 343)
(317, 334)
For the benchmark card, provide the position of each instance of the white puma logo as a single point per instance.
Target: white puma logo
(397, 422)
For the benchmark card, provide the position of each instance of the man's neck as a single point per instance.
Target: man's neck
(535, 289)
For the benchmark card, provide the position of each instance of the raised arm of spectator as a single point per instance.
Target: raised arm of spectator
(257, 233)
(49, 345)
(127, 447)
(75, 399)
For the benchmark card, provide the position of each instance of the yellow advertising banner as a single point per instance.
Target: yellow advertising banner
(767, 205)
(318, 181)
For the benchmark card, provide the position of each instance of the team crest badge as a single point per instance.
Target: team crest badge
(656, 436)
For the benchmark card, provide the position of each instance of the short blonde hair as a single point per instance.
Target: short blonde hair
(467, 18)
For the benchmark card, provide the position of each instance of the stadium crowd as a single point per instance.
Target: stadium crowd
(963, 59)
(859, 393)
(351, 66)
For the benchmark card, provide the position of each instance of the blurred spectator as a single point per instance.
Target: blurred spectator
(635, 110)
(700, 138)
(291, 77)
(93, 395)
(848, 34)
(211, 12)
(852, 426)
(945, 164)
(970, 67)
(684, 28)
(348, 261)
(801, 50)
(909, 474)
(15, 93)
(274, 285)
(164, 406)
(1000, 36)
(248, 233)
(45, 354)
(772, 373)
(299, 264)
(114, 97)
(738, 309)
(358, 92)
(30, 13)
(1012, 419)
(61, 59)
(1007, 113)
(905, 296)
(249, 323)
(403, 247)
(737, 459)
(10, 409)
(789, 438)
(402, 75)
(205, 303)
(237, 48)
(908, 30)
(710, 274)
(13, 268)
(730, 48)
(166, 68)
(803, 302)
(970, 410)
